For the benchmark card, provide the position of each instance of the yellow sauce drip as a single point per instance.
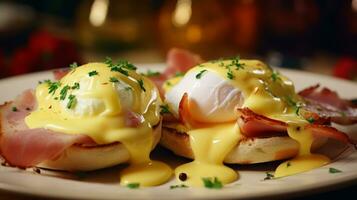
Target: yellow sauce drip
(305, 160)
(266, 93)
(104, 122)
(210, 146)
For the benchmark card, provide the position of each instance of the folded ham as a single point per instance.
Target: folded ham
(23, 147)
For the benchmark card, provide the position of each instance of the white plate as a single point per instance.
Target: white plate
(104, 184)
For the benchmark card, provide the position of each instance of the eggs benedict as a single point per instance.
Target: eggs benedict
(244, 112)
(96, 116)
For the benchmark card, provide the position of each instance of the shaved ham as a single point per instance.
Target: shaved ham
(255, 125)
(180, 60)
(24, 147)
(327, 104)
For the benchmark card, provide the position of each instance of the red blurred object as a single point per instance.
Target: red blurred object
(346, 68)
(44, 51)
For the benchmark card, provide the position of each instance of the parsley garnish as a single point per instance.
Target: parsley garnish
(108, 61)
(164, 109)
(179, 74)
(75, 86)
(14, 109)
(127, 88)
(93, 73)
(53, 86)
(235, 62)
(73, 65)
(310, 120)
(178, 186)
(113, 80)
(141, 84)
(199, 75)
(133, 185)
(269, 176)
(230, 73)
(63, 92)
(275, 76)
(288, 164)
(334, 170)
(212, 184)
(72, 101)
(120, 70)
(150, 73)
(126, 64)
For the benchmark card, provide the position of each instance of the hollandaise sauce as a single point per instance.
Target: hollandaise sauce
(109, 103)
(265, 92)
(210, 146)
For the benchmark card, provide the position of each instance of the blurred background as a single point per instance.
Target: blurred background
(314, 35)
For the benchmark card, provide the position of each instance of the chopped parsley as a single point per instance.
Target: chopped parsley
(127, 88)
(53, 86)
(199, 75)
(178, 74)
(275, 76)
(334, 170)
(141, 84)
(133, 185)
(93, 73)
(63, 92)
(212, 183)
(288, 164)
(311, 120)
(113, 80)
(230, 74)
(72, 101)
(120, 70)
(269, 176)
(108, 61)
(164, 109)
(14, 109)
(73, 66)
(125, 64)
(150, 73)
(235, 62)
(178, 186)
(75, 86)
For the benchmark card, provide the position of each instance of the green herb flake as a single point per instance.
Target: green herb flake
(14, 109)
(63, 92)
(75, 86)
(126, 64)
(311, 120)
(199, 75)
(212, 184)
(164, 109)
(269, 176)
(53, 86)
(334, 170)
(127, 88)
(113, 80)
(133, 185)
(150, 73)
(120, 70)
(178, 74)
(141, 84)
(72, 101)
(93, 73)
(235, 62)
(288, 164)
(108, 61)
(230, 74)
(73, 66)
(178, 186)
(275, 76)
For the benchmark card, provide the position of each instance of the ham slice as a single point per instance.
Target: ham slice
(327, 104)
(23, 147)
(255, 125)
